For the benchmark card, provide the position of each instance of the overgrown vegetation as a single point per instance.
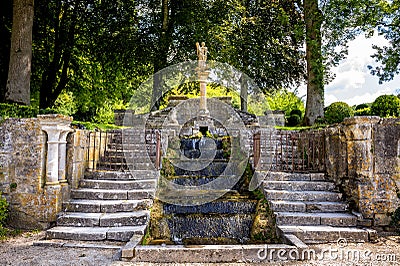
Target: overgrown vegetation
(396, 220)
(337, 112)
(3, 216)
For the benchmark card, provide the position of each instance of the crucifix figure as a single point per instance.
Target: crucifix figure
(202, 54)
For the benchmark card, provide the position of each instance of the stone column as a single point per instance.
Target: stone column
(62, 155)
(56, 127)
(203, 75)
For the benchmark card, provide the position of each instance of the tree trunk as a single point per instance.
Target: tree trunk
(55, 78)
(243, 93)
(19, 72)
(160, 60)
(315, 70)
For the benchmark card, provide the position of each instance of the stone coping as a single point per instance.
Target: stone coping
(214, 253)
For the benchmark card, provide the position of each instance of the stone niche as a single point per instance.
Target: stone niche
(33, 168)
(363, 159)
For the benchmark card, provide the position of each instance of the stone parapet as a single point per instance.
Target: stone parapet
(33, 168)
(363, 159)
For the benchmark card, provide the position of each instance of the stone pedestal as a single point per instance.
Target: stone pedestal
(57, 128)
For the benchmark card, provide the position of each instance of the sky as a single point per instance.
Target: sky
(353, 83)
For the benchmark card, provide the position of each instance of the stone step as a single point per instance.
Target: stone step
(104, 194)
(123, 233)
(106, 165)
(126, 175)
(79, 219)
(116, 184)
(286, 167)
(290, 195)
(325, 234)
(283, 176)
(198, 228)
(245, 206)
(108, 206)
(301, 218)
(299, 185)
(304, 206)
(124, 153)
(141, 146)
(138, 158)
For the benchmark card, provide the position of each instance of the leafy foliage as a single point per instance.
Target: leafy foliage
(286, 101)
(387, 25)
(363, 112)
(17, 111)
(337, 112)
(293, 120)
(362, 106)
(3, 211)
(385, 106)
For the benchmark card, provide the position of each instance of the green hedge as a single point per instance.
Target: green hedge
(337, 112)
(17, 111)
(385, 106)
(8, 110)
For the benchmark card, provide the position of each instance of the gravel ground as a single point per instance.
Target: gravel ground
(20, 251)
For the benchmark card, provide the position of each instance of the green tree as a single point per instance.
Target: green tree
(388, 25)
(336, 22)
(285, 100)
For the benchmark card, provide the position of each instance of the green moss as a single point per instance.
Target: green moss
(264, 225)
(167, 169)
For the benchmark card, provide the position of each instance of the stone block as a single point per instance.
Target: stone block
(362, 130)
(381, 219)
(359, 158)
(124, 218)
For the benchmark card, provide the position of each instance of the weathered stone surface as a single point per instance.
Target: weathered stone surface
(235, 227)
(299, 185)
(118, 185)
(77, 233)
(125, 233)
(128, 250)
(124, 218)
(115, 175)
(333, 219)
(212, 253)
(302, 195)
(96, 194)
(363, 159)
(79, 219)
(326, 234)
(221, 207)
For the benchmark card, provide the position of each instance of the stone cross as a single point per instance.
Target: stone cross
(202, 75)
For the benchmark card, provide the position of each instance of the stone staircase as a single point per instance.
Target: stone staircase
(309, 207)
(111, 204)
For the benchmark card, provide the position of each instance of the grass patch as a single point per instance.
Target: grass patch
(299, 128)
(7, 233)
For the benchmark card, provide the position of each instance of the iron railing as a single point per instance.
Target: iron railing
(289, 151)
(119, 151)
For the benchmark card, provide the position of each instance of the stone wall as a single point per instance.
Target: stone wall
(33, 177)
(77, 156)
(363, 159)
